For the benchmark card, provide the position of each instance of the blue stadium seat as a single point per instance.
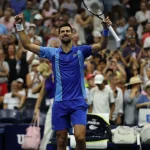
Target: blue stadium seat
(26, 116)
(9, 116)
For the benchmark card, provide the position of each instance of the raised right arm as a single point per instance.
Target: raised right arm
(23, 36)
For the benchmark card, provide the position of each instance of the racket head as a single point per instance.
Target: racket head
(95, 7)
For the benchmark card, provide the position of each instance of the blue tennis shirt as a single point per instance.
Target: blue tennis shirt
(68, 69)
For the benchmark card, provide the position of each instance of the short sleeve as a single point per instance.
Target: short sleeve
(86, 50)
(6, 99)
(47, 52)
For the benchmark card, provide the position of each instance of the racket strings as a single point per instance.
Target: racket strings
(95, 6)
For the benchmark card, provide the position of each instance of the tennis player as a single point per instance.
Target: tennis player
(69, 107)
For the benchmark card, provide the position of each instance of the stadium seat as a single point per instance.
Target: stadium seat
(26, 116)
(9, 116)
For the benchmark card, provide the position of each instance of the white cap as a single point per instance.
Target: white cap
(35, 62)
(99, 78)
(20, 80)
(38, 17)
(96, 34)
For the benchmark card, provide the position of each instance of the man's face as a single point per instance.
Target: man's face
(65, 35)
(14, 87)
(29, 5)
(91, 82)
(114, 80)
(132, 41)
(101, 86)
(143, 6)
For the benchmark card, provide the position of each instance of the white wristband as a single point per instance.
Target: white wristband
(19, 27)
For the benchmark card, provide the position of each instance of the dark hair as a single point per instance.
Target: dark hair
(102, 60)
(65, 25)
(109, 70)
(111, 76)
(81, 10)
(96, 55)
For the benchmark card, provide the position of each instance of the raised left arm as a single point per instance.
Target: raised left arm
(104, 40)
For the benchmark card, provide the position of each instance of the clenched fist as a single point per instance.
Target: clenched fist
(19, 19)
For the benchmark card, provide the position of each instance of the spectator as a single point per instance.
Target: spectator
(143, 101)
(48, 13)
(101, 97)
(22, 64)
(142, 17)
(131, 50)
(11, 58)
(34, 78)
(14, 98)
(8, 20)
(20, 86)
(80, 23)
(70, 6)
(118, 95)
(28, 12)
(116, 67)
(130, 99)
(96, 36)
(46, 97)
(146, 33)
(90, 81)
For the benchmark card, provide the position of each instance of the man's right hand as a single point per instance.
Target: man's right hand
(19, 19)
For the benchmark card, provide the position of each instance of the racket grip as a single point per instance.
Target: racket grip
(114, 33)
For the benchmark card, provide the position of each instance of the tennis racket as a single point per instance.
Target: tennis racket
(96, 7)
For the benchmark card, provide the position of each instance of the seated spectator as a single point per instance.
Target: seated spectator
(20, 86)
(101, 97)
(14, 99)
(130, 99)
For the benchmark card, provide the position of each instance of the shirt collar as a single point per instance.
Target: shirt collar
(60, 48)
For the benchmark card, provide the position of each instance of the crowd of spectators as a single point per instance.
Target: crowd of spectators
(117, 80)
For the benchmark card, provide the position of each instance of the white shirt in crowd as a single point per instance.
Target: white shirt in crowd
(118, 103)
(12, 101)
(101, 99)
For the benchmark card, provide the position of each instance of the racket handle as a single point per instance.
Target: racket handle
(113, 33)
